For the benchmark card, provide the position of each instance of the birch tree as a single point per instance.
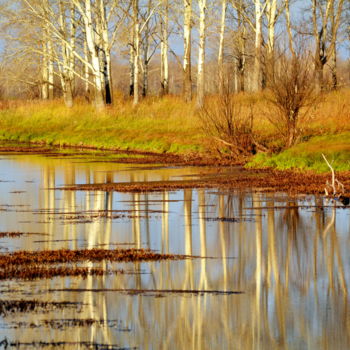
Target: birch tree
(289, 28)
(221, 46)
(257, 73)
(68, 61)
(92, 46)
(187, 79)
(241, 39)
(164, 47)
(136, 50)
(201, 53)
(326, 18)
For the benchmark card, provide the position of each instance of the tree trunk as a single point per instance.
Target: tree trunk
(334, 69)
(201, 54)
(95, 61)
(257, 77)
(136, 26)
(72, 44)
(164, 66)
(45, 73)
(241, 54)
(65, 65)
(106, 55)
(68, 93)
(318, 71)
(145, 48)
(271, 22)
(289, 29)
(131, 65)
(221, 47)
(50, 69)
(86, 71)
(187, 79)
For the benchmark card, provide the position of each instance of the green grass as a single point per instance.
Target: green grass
(308, 155)
(170, 125)
(156, 125)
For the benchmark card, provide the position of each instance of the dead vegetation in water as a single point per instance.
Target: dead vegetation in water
(8, 307)
(62, 345)
(16, 234)
(27, 265)
(32, 272)
(262, 180)
(62, 324)
(152, 292)
(227, 219)
(84, 255)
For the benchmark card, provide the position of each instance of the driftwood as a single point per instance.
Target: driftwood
(336, 187)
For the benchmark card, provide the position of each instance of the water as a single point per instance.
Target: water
(288, 256)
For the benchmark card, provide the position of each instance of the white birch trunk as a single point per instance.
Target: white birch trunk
(65, 66)
(289, 28)
(45, 73)
(51, 70)
(271, 11)
(201, 54)
(106, 55)
(95, 61)
(164, 78)
(187, 81)
(131, 65)
(136, 25)
(86, 70)
(258, 43)
(221, 46)
(72, 44)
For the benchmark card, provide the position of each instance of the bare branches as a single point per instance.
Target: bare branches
(336, 186)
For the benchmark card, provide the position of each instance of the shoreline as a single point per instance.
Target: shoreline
(227, 176)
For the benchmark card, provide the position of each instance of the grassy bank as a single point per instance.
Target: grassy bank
(308, 155)
(166, 125)
(170, 125)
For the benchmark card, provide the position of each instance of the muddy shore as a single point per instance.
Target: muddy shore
(226, 175)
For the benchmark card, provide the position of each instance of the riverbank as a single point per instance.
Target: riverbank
(173, 128)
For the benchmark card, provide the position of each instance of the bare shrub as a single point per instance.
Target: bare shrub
(230, 124)
(291, 96)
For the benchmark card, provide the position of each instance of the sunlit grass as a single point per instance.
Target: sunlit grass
(170, 125)
(160, 125)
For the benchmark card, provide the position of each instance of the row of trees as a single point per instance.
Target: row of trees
(69, 46)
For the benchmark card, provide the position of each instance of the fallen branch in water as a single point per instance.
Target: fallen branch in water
(337, 187)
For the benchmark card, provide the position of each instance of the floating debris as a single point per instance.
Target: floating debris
(62, 344)
(150, 292)
(261, 180)
(35, 272)
(222, 219)
(16, 234)
(69, 323)
(93, 255)
(13, 306)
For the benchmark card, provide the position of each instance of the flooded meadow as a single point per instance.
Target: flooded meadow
(180, 268)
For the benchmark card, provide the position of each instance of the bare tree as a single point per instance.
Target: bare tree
(292, 96)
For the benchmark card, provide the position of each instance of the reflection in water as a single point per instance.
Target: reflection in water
(290, 262)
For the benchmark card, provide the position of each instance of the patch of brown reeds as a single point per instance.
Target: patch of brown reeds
(73, 256)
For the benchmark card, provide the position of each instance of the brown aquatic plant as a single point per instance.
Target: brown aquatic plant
(92, 255)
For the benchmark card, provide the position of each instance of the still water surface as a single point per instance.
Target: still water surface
(289, 257)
